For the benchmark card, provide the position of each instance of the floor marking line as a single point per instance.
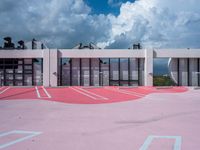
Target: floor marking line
(102, 97)
(147, 89)
(148, 141)
(38, 94)
(139, 94)
(4, 90)
(124, 92)
(32, 134)
(49, 96)
(82, 93)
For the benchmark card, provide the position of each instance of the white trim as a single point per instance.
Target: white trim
(4, 90)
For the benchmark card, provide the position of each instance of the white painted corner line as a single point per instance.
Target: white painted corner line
(28, 135)
(148, 141)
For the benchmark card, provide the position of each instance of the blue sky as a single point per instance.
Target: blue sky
(106, 6)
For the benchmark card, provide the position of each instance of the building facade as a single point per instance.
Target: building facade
(95, 67)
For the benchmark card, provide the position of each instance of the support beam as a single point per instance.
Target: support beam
(178, 72)
(53, 74)
(198, 70)
(70, 71)
(139, 70)
(188, 72)
(46, 67)
(90, 71)
(80, 67)
(129, 72)
(119, 71)
(148, 72)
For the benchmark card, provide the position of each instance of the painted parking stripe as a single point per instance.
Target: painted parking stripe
(49, 96)
(148, 141)
(4, 90)
(83, 93)
(98, 96)
(123, 92)
(45, 91)
(136, 93)
(38, 94)
(29, 135)
(147, 88)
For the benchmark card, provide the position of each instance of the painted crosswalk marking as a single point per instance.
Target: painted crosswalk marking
(177, 144)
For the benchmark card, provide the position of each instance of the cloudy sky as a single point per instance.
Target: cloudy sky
(108, 23)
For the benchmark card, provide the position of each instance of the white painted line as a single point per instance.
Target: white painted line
(136, 93)
(101, 97)
(4, 90)
(124, 92)
(49, 96)
(148, 141)
(82, 93)
(147, 88)
(30, 135)
(38, 94)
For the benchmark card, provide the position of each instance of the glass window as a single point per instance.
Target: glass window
(19, 69)
(9, 76)
(27, 61)
(9, 70)
(28, 79)
(18, 76)
(28, 67)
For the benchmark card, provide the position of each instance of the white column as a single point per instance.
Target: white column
(46, 67)
(148, 70)
(53, 74)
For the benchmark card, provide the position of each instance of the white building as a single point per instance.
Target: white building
(91, 66)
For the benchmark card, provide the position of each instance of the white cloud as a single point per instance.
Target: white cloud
(114, 3)
(157, 23)
(62, 23)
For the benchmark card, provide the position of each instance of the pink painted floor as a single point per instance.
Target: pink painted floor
(119, 119)
(84, 95)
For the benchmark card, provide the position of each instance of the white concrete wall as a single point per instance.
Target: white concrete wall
(46, 67)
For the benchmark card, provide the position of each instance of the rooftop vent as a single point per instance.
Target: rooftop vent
(89, 46)
(8, 43)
